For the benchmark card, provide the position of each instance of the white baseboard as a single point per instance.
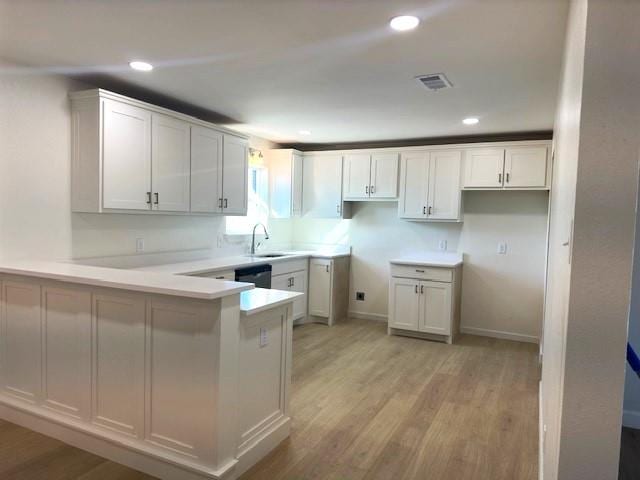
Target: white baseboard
(485, 332)
(376, 317)
(631, 418)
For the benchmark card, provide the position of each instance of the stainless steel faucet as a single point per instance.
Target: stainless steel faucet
(253, 237)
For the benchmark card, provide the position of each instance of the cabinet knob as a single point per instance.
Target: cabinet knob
(416, 288)
(499, 178)
(430, 210)
(220, 202)
(157, 200)
(421, 289)
(148, 198)
(507, 177)
(366, 189)
(226, 204)
(424, 210)
(372, 189)
(327, 268)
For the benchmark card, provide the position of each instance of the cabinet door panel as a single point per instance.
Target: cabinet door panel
(322, 186)
(20, 340)
(404, 303)
(299, 284)
(171, 163)
(357, 176)
(206, 167)
(484, 168)
(126, 153)
(414, 174)
(384, 175)
(435, 300)
(444, 185)
(296, 193)
(320, 287)
(235, 172)
(525, 167)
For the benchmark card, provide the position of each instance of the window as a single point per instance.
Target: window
(258, 201)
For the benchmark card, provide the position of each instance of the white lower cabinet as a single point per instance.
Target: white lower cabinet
(292, 277)
(424, 301)
(320, 271)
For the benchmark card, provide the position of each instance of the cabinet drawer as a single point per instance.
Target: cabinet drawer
(422, 273)
(219, 275)
(279, 268)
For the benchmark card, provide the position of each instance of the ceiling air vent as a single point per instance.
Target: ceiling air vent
(434, 81)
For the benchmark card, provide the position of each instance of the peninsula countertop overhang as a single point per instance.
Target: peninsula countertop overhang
(131, 280)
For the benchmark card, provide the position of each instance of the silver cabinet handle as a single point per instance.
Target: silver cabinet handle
(293, 282)
(148, 198)
(157, 200)
(421, 289)
(424, 210)
(220, 202)
(372, 189)
(226, 204)
(507, 179)
(499, 178)
(430, 210)
(416, 288)
(419, 271)
(327, 267)
(338, 208)
(366, 190)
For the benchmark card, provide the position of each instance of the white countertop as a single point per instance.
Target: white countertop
(196, 267)
(261, 299)
(138, 281)
(430, 259)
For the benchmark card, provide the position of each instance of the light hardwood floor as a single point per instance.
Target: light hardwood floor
(367, 406)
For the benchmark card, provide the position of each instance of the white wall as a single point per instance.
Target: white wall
(595, 184)
(35, 216)
(377, 235)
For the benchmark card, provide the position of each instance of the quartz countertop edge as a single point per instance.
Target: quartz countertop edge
(197, 267)
(131, 280)
(261, 299)
(449, 260)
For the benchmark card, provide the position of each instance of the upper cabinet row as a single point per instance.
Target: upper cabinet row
(132, 157)
(427, 182)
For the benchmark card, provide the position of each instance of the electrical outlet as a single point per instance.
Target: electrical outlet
(263, 337)
(502, 248)
(360, 296)
(442, 245)
(139, 245)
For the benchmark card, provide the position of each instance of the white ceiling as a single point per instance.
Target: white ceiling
(333, 67)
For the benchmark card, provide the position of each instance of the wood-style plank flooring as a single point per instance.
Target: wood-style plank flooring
(367, 406)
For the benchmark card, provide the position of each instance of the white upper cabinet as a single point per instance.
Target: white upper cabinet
(206, 170)
(525, 167)
(126, 150)
(444, 199)
(322, 186)
(370, 176)
(484, 168)
(384, 175)
(235, 171)
(357, 176)
(171, 163)
(414, 183)
(129, 156)
(285, 183)
(430, 185)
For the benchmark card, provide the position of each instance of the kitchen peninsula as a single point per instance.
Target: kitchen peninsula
(179, 377)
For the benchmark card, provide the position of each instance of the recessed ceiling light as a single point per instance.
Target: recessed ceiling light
(304, 132)
(141, 66)
(404, 23)
(470, 121)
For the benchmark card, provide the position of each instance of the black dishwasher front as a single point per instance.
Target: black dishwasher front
(259, 275)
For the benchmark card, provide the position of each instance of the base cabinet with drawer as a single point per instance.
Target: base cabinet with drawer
(292, 277)
(425, 301)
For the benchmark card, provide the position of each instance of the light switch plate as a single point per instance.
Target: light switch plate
(139, 245)
(502, 248)
(263, 337)
(442, 245)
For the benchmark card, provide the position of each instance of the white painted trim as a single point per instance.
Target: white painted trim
(485, 332)
(631, 418)
(376, 317)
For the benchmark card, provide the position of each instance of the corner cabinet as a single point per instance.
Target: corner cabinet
(425, 301)
(430, 185)
(524, 167)
(133, 157)
(285, 183)
(322, 187)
